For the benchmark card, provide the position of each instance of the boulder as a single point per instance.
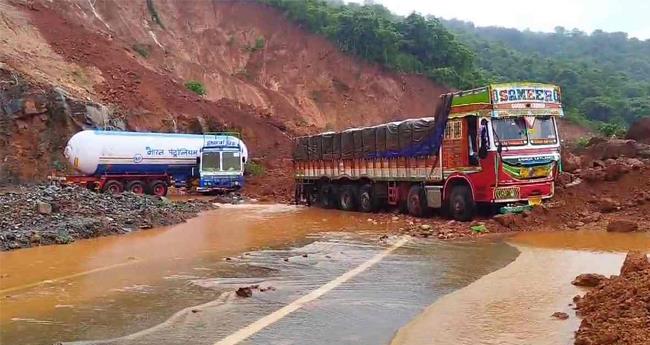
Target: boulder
(509, 220)
(613, 148)
(560, 315)
(564, 178)
(635, 262)
(614, 171)
(244, 292)
(592, 175)
(607, 205)
(570, 162)
(634, 163)
(643, 150)
(640, 131)
(622, 226)
(588, 279)
(43, 207)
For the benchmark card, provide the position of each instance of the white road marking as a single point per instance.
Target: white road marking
(66, 277)
(277, 315)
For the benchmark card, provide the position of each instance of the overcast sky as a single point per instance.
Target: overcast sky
(631, 16)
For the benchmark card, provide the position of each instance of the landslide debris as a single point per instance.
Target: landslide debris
(617, 311)
(51, 214)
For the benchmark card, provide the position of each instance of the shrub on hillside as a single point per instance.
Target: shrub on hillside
(196, 87)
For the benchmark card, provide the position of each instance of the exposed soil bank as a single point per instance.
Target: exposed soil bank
(617, 310)
(41, 215)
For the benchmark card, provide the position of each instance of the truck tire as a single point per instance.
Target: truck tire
(113, 187)
(326, 195)
(348, 198)
(312, 196)
(367, 200)
(158, 188)
(135, 187)
(460, 205)
(416, 201)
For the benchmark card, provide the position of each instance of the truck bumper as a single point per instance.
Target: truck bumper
(523, 192)
(220, 183)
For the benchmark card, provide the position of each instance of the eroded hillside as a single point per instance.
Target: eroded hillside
(127, 62)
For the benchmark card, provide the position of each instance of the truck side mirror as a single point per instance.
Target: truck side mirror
(499, 148)
(198, 160)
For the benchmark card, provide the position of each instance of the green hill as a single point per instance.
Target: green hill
(605, 77)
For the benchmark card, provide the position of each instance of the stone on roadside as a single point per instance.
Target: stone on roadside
(635, 262)
(509, 220)
(44, 208)
(588, 279)
(244, 292)
(607, 205)
(425, 227)
(622, 225)
(560, 315)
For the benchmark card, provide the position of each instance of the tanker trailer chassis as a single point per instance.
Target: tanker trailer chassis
(118, 183)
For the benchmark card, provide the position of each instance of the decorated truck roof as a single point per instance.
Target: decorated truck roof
(508, 99)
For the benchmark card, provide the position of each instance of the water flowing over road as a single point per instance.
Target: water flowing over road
(318, 277)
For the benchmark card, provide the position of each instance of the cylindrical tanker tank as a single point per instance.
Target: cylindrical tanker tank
(95, 152)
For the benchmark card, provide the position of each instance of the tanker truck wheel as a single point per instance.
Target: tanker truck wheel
(135, 187)
(158, 188)
(113, 187)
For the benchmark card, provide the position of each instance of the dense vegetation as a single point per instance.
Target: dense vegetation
(605, 76)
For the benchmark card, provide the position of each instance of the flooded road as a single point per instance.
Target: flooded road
(175, 285)
(323, 277)
(514, 305)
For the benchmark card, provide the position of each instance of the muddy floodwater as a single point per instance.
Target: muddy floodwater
(514, 305)
(176, 285)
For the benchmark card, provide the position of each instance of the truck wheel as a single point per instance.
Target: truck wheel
(348, 198)
(135, 187)
(461, 204)
(326, 196)
(312, 196)
(113, 187)
(158, 188)
(416, 201)
(367, 202)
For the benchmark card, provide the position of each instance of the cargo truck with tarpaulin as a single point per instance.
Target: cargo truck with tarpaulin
(493, 145)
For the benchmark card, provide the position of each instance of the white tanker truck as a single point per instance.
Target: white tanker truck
(114, 161)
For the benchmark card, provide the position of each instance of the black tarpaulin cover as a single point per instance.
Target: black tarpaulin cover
(369, 141)
(392, 137)
(347, 145)
(357, 137)
(409, 138)
(328, 145)
(315, 147)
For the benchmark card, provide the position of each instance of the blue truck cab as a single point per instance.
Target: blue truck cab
(221, 164)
